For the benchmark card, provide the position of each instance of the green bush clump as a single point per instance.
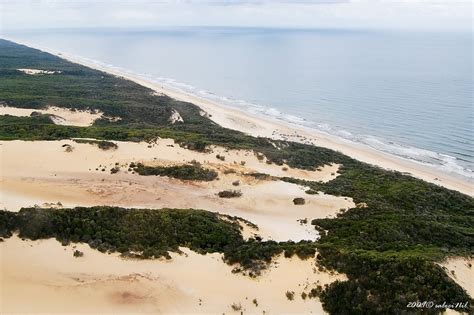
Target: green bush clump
(78, 253)
(299, 201)
(229, 194)
(186, 172)
(102, 144)
(290, 295)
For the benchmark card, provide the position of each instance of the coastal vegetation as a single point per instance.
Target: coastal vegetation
(148, 233)
(299, 201)
(101, 144)
(388, 248)
(229, 194)
(193, 171)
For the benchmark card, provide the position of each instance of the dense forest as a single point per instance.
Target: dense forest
(387, 247)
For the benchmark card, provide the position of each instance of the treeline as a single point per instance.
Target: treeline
(145, 233)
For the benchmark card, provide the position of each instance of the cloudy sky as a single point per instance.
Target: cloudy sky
(378, 14)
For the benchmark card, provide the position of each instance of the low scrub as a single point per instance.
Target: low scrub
(101, 144)
(186, 172)
(229, 194)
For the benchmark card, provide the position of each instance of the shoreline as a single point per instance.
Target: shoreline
(237, 119)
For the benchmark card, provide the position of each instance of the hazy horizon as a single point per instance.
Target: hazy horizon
(435, 15)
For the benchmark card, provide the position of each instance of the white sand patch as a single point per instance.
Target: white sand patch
(43, 172)
(461, 270)
(38, 71)
(175, 117)
(60, 116)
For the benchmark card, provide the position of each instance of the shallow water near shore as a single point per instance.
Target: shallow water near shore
(406, 93)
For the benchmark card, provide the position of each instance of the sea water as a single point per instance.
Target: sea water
(406, 93)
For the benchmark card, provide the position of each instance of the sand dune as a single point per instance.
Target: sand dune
(60, 116)
(461, 270)
(44, 277)
(43, 172)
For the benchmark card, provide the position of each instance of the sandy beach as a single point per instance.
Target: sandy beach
(258, 126)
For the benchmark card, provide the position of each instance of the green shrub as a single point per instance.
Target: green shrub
(186, 172)
(78, 253)
(229, 194)
(299, 201)
(290, 295)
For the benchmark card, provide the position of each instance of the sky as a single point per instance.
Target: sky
(438, 15)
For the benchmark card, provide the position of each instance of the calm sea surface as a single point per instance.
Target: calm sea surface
(406, 93)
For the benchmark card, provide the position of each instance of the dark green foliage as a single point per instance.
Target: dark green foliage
(403, 213)
(383, 284)
(78, 253)
(260, 176)
(290, 295)
(102, 144)
(388, 248)
(145, 233)
(256, 255)
(299, 201)
(229, 194)
(187, 172)
(8, 223)
(75, 87)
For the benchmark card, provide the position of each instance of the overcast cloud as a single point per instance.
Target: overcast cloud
(378, 14)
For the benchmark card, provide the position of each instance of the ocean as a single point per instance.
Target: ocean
(405, 93)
